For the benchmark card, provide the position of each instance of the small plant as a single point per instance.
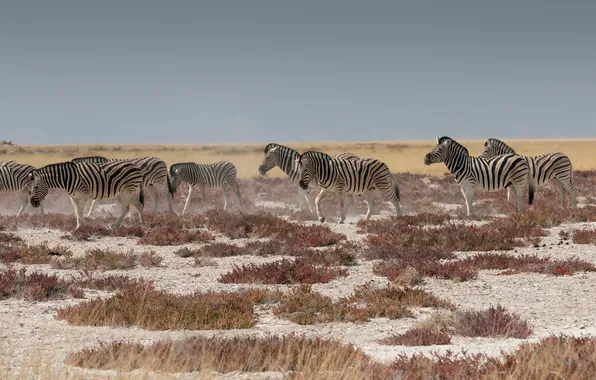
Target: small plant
(143, 306)
(584, 236)
(311, 357)
(282, 272)
(493, 322)
(150, 259)
(34, 286)
(98, 259)
(169, 235)
(418, 337)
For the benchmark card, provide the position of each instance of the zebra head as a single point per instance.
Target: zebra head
(271, 159)
(307, 167)
(494, 147)
(439, 152)
(38, 189)
(175, 178)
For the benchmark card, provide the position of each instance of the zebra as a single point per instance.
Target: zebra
(86, 181)
(342, 176)
(555, 167)
(473, 173)
(14, 178)
(155, 173)
(286, 159)
(221, 174)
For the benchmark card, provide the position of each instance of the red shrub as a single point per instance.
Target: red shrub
(282, 272)
(493, 322)
(174, 236)
(33, 286)
(418, 337)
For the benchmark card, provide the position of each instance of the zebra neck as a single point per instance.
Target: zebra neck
(458, 164)
(287, 163)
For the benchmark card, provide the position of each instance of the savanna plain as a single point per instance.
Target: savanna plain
(269, 292)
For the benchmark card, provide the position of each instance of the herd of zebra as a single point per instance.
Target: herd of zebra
(98, 178)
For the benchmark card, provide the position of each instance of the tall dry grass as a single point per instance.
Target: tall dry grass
(400, 156)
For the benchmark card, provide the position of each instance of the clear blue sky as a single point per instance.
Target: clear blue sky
(221, 71)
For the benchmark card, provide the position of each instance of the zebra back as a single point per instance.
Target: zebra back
(218, 174)
(90, 159)
(346, 156)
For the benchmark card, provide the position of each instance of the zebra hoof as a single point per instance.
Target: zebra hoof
(322, 219)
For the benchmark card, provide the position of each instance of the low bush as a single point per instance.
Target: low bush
(170, 235)
(418, 337)
(299, 271)
(35, 286)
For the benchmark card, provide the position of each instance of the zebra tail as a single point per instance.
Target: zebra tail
(171, 188)
(396, 189)
(531, 188)
(142, 191)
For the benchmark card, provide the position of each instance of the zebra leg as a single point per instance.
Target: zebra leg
(23, 201)
(468, 193)
(139, 206)
(226, 198)
(204, 201)
(343, 206)
(508, 194)
(518, 191)
(79, 206)
(187, 199)
(125, 207)
(370, 200)
(306, 195)
(153, 193)
(317, 200)
(561, 189)
(91, 208)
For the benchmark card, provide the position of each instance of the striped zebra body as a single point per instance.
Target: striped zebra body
(221, 175)
(155, 177)
(347, 176)
(286, 159)
(14, 178)
(86, 181)
(476, 173)
(555, 167)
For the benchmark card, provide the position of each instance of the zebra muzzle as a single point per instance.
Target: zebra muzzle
(427, 160)
(303, 185)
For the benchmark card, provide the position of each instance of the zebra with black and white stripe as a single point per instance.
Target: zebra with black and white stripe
(222, 174)
(155, 173)
(86, 181)
(473, 173)
(285, 158)
(555, 167)
(347, 176)
(14, 178)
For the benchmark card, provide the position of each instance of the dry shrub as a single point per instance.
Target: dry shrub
(261, 225)
(150, 259)
(98, 259)
(34, 286)
(409, 276)
(171, 235)
(87, 232)
(309, 357)
(143, 306)
(492, 322)
(303, 306)
(584, 236)
(466, 269)
(501, 234)
(554, 357)
(418, 337)
(341, 254)
(299, 271)
(160, 219)
(31, 254)
(396, 222)
(8, 237)
(111, 282)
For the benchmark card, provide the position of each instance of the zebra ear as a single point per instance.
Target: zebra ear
(272, 149)
(437, 137)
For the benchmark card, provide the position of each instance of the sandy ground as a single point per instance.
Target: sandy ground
(33, 341)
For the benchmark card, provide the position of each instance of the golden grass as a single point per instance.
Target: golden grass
(400, 156)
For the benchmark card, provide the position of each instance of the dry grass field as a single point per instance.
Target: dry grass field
(272, 293)
(400, 156)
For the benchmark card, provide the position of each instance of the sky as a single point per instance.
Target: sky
(254, 71)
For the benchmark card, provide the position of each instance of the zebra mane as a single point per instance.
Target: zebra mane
(78, 160)
(500, 145)
(313, 153)
(453, 142)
